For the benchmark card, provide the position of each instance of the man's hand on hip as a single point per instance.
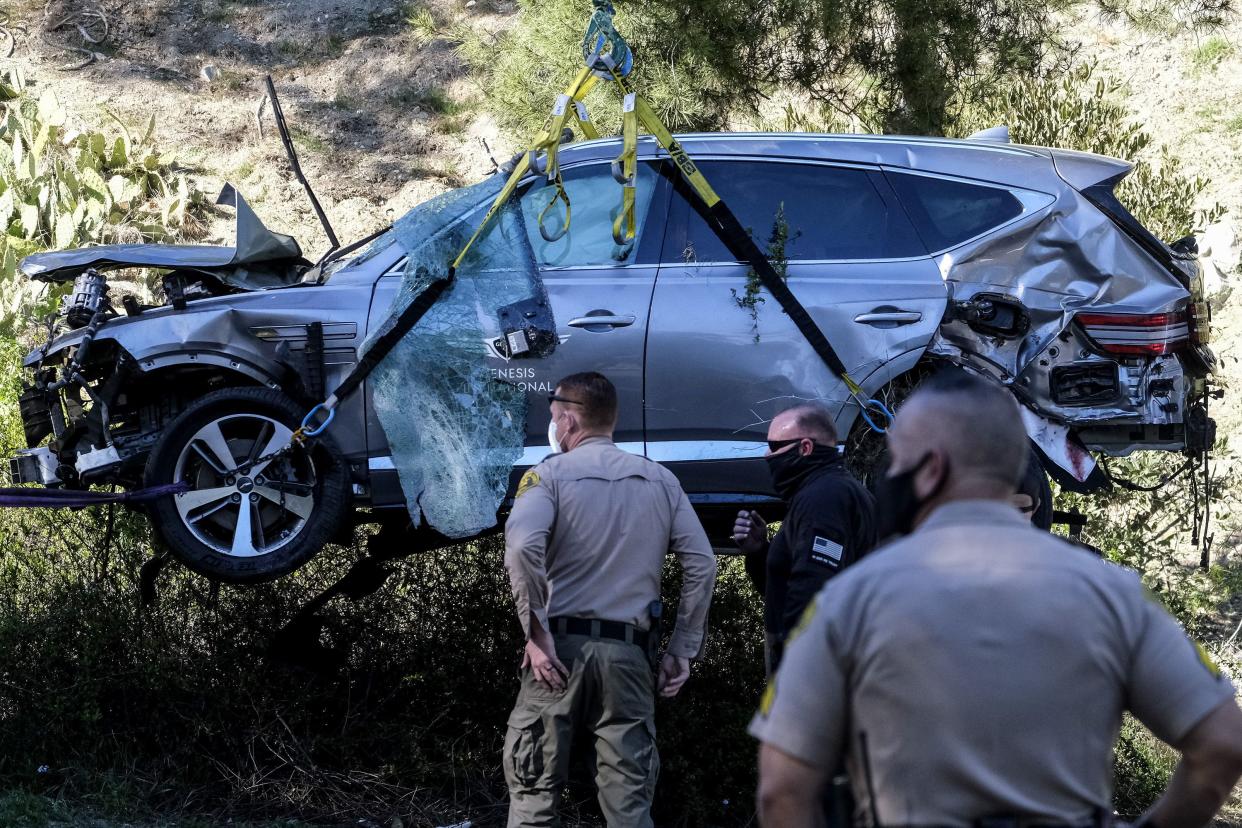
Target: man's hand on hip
(674, 670)
(540, 656)
(750, 532)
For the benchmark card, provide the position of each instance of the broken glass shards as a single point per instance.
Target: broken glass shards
(454, 431)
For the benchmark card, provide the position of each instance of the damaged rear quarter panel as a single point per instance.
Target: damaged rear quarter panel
(1062, 260)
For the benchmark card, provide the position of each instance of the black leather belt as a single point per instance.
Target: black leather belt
(596, 628)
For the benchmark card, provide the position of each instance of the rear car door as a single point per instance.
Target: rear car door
(722, 357)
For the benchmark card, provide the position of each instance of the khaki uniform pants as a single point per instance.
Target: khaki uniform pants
(610, 694)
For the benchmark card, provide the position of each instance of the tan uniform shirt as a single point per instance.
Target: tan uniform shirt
(587, 538)
(988, 664)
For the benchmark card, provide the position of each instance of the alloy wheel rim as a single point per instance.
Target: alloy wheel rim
(238, 504)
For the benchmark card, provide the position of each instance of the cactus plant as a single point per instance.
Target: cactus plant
(63, 186)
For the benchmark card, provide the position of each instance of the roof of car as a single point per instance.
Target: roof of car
(1001, 162)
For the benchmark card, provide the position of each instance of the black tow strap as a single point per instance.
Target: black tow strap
(742, 246)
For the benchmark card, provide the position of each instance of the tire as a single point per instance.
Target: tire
(293, 504)
(1035, 483)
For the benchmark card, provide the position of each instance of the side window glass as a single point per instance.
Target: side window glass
(824, 213)
(946, 213)
(595, 201)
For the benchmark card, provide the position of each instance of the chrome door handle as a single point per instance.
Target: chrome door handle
(887, 317)
(591, 321)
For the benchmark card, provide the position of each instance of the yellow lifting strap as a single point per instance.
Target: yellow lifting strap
(568, 103)
(636, 111)
(625, 171)
(693, 176)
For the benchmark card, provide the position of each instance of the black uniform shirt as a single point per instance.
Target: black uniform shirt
(830, 524)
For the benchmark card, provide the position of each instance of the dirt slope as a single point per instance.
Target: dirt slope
(378, 106)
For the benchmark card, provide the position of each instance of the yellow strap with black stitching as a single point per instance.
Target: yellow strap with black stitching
(625, 171)
(547, 143)
(739, 243)
(617, 63)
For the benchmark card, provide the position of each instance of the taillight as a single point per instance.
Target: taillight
(1200, 320)
(1150, 334)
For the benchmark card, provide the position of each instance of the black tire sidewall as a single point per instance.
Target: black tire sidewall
(332, 500)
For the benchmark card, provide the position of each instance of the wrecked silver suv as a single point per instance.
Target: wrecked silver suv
(1015, 262)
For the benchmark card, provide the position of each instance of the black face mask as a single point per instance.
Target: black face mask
(790, 469)
(897, 505)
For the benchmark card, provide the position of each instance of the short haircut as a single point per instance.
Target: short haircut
(978, 423)
(814, 420)
(597, 397)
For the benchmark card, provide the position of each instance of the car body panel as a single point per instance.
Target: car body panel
(259, 258)
(260, 334)
(696, 388)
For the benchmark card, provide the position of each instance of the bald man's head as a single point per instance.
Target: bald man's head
(810, 420)
(971, 428)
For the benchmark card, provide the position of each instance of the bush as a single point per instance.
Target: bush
(62, 186)
(703, 65)
(392, 705)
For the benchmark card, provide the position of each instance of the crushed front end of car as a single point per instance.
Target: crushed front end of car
(93, 402)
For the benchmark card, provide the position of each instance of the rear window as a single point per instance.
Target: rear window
(828, 212)
(947, 213)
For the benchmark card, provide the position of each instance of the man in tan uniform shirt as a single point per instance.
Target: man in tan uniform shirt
(584, 546)
(979, 668)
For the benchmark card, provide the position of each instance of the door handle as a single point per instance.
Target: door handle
(889, 318)
(602, 320)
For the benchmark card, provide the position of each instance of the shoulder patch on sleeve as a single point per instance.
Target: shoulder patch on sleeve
(529, 481)
(769, 697)
(804, 621)
(827, 552)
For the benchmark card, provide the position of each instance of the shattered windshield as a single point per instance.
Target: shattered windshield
(455, 431)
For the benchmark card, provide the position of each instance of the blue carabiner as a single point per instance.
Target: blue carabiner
(875, 405)
(306, 421)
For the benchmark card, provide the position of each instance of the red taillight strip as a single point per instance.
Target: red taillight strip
(1128, 320)
(1136, 334)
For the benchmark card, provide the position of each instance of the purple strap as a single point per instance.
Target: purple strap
(73, 499)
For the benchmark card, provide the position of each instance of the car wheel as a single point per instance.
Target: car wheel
(1035, 483)
(244, 518)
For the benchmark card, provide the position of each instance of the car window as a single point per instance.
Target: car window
(947, 212)
(829, 213)
(595, 201)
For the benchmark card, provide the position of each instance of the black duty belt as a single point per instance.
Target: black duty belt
(597, 628)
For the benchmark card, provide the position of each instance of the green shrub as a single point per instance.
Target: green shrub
(1081, 109)
(62, 186)
(1210, 53)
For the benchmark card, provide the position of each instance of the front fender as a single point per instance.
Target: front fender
(219, 337)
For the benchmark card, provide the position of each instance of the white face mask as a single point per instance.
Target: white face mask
(552, 441)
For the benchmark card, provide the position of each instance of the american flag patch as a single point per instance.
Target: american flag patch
(826, 552)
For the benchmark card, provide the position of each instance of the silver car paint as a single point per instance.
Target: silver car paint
(243, 333)
(700, 363)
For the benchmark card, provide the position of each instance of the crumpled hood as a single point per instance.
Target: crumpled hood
(260, 258)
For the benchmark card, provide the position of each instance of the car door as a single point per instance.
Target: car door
(600, 293)
(723, 358)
